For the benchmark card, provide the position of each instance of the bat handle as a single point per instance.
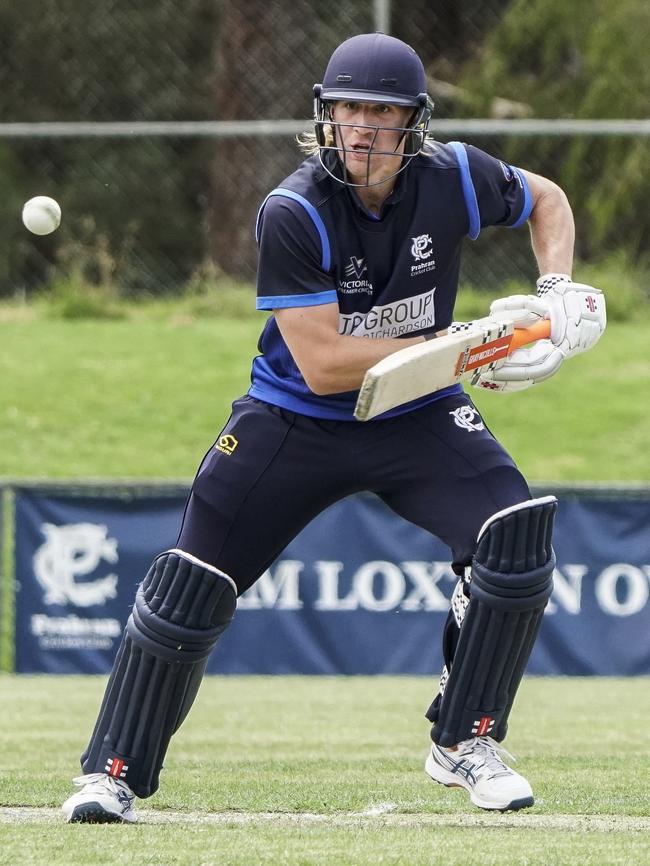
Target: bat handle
(522, 336)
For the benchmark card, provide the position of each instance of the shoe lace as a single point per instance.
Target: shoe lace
(115, 785)
(492, 754)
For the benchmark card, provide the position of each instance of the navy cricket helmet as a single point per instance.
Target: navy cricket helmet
(375, 68)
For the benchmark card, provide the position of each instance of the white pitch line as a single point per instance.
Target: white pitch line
(380, 815)
(378, 810)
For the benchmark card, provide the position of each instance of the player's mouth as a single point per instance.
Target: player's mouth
(359, 151)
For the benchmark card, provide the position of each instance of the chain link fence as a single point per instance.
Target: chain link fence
(152, 209)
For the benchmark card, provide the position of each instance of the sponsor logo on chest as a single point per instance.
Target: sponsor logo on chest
(391, 320)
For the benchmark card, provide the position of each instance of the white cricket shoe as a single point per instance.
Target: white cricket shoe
(101, 800)
(477, 765)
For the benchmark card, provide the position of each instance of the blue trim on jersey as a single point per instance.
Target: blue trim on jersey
(326, 257)
(278, 302)
(469, 192)
(528, 199)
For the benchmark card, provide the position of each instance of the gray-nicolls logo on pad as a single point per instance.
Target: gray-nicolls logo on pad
(70, 552)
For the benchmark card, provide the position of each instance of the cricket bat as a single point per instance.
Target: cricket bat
(427, 367)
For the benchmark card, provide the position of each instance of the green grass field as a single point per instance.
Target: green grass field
(300, 770)
(145, 397)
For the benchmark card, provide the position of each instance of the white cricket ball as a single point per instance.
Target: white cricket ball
(41, 215)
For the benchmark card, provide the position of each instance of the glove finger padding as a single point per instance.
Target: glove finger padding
(523, 368)
(523, 310)
(536, 362)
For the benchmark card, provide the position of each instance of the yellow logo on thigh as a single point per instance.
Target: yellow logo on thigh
(227, 444)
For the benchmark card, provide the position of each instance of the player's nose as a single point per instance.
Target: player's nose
(361, 119)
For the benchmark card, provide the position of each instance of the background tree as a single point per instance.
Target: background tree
(147, 213)
(588, 60)
(131, 206)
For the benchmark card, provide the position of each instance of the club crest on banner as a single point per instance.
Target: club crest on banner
(70, 553)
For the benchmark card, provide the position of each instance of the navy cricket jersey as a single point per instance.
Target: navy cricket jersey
(394, 275)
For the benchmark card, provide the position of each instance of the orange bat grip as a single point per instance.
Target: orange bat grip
(523, 336)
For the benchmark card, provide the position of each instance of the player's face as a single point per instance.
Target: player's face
(372, 138)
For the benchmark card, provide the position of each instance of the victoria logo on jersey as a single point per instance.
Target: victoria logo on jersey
(422, 251)
(356, 267)
(356, 283)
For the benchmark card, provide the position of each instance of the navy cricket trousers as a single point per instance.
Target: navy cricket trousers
(271, 471)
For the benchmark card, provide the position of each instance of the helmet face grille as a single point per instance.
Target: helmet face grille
(331, 142)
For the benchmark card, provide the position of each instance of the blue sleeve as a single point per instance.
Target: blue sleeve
(502, 193)
(294, 254)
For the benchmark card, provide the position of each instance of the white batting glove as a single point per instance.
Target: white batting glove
(578, 319)
(577, 313)
(525, 366)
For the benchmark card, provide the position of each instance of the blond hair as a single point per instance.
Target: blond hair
(308, 143)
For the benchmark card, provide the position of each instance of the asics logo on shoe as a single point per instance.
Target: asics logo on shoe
(463, 769)
(124, 799)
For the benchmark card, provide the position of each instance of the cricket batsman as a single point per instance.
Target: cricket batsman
(359, 253)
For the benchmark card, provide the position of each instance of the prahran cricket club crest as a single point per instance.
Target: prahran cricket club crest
(71, 552)
(422, 247)
(422, 252)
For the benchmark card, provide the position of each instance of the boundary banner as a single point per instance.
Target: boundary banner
(359, 591)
